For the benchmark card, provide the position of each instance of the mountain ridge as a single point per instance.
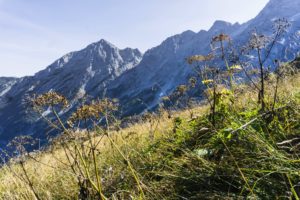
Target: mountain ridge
(138, 80)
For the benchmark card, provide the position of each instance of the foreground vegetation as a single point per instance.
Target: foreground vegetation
(247, 153)
(242, 142)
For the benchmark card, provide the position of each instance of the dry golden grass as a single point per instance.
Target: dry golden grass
(54, 180)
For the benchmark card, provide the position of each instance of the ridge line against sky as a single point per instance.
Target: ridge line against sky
(35, 33)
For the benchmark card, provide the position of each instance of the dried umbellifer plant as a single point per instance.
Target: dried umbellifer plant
(53, 102)
(263, 45)
(20, 146)
(94, 111)
(49, 99)
(77, 158)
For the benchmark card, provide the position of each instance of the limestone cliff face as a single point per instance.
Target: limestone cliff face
(138, 81)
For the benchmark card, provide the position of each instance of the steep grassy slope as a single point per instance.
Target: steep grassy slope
(248, 154)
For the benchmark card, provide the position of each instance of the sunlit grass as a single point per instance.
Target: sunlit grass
(172, 161)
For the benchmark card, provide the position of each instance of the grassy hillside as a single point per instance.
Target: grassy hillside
(247, 154)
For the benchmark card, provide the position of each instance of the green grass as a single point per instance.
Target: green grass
(245, 156)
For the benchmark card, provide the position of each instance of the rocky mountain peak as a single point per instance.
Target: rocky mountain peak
(102, 44)
(138, 81)
(286, 2)
(220, 26)
(280, 8)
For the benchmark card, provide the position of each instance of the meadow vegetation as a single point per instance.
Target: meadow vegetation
(241, 142)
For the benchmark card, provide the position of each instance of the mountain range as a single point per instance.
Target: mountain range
(138, 80)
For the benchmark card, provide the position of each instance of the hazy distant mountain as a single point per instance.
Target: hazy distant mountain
(137, 80)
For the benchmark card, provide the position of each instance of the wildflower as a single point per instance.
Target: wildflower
(21, 143)
(49, 99)
(180, 90)
(225, 91)
(235, 68)
(221, 37)
(208, 81)
(194, 58)
(258, 41)
(281, 25)
(193, 82)
(95, 110)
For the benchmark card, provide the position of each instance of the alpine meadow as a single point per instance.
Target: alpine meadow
(213, 114)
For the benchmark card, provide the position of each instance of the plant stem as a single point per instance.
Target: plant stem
(262, 81)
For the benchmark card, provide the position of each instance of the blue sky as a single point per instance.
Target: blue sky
(34, 33)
